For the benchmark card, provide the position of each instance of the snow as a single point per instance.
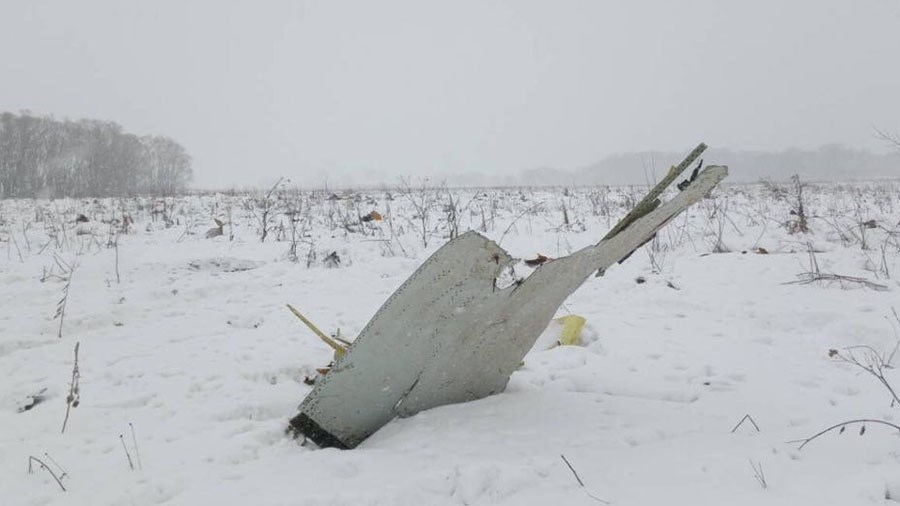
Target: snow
(193, 347)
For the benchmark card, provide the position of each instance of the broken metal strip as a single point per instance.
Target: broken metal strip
(338, 349)
(649, 202)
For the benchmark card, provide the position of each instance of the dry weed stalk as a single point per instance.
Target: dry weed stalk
(67, 271)
(74, 397)
(815, 274)
(32, 460)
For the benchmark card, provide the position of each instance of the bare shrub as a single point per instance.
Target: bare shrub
(793, 195)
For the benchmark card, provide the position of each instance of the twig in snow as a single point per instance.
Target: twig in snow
(814, 274)
(128, 455)
(871, 362)
(116, 246)
(12, 236)
(749, 418)
(68, 270)
(758, 474)
(843, 426)
(530, 209)
(64, 472)
(137, 452)
(581, 483)
(32, 459)
(890, 357)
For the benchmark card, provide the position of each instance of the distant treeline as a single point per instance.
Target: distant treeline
(46, 157)
(831, 162)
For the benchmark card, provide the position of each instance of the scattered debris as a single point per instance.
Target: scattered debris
(223, 264)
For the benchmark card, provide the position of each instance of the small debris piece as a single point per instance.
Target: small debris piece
(687, 182)
(332, 260)
(762, 251)
(571, 331)
(81, 219)
(373, 216)
(32, 400)
(339, 349)
(640, 280)
(215, 231)
(534, 262)
(869, 224)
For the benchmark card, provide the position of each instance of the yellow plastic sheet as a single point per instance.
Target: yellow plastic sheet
(571, 330)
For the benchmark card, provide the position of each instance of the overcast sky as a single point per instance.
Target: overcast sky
(372, 90)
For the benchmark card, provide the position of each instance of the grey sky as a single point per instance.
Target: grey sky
(373, 90)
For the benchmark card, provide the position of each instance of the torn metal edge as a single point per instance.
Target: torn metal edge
(306, 426)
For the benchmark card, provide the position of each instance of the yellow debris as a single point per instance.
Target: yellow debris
(571, 331)
(339, 349)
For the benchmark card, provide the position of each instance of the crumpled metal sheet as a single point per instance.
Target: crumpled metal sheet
(448, 335)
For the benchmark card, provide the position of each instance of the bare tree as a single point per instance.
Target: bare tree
(892, 139)
(42, 156)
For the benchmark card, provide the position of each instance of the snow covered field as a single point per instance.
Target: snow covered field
(186, 339)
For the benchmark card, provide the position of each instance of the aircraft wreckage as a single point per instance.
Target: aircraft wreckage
(450, 335)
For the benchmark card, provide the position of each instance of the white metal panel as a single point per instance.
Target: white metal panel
(449, 335)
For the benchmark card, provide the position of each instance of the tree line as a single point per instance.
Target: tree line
(41, 156)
